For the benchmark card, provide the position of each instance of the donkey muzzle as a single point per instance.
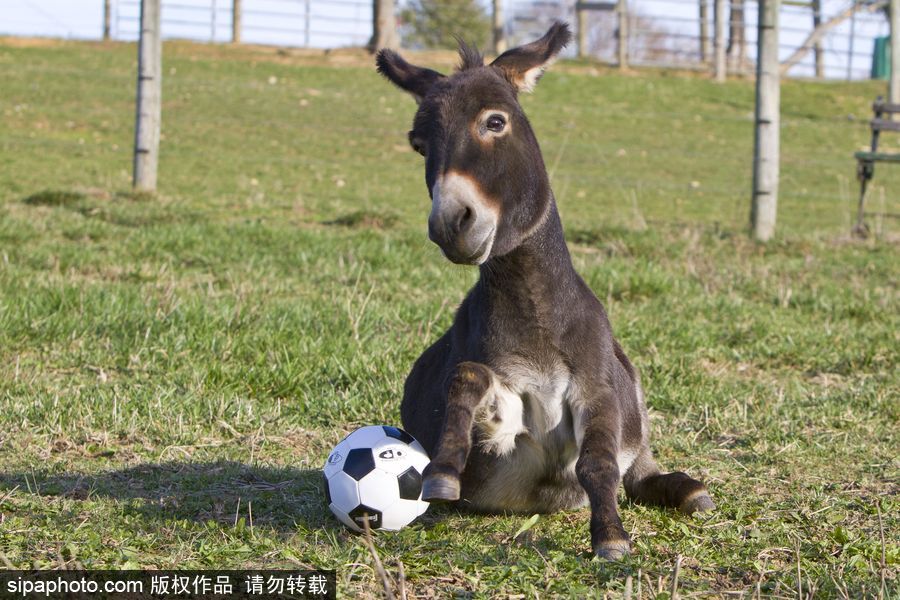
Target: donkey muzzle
(461, 223)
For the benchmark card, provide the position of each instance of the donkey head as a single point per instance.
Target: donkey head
(483, 167)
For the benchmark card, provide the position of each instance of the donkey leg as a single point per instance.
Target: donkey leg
(468, 388)
(598, 473)
(645, 484)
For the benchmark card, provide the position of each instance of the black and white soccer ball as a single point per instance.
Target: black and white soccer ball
(375, 474)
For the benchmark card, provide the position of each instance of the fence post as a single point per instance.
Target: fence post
(704, 31)
(622, 13)
(213, 9)
(737, 39)
(581, 16)
(149, 95)
(236, 22)
(894, 90)
(850, 45)
(766, 140)
(306, 23)
(107, 19)
(817, 20)
(499, 28)
(720, 40)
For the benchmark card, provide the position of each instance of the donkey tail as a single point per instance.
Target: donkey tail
(645, 484)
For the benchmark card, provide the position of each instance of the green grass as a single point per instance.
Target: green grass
(170, 363)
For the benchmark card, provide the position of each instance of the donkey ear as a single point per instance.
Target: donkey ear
(415, 80)
(523, 66)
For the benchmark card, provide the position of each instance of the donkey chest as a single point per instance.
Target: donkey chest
(545, 392)
(531, 447)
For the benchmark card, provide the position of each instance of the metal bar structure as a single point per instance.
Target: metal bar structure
(656, 38)
(581, 15)
(148, 111)
(766, 148)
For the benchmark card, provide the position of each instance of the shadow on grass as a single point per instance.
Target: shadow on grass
(220, 492)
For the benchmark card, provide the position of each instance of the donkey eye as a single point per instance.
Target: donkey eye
(417, 144)
(495, 123)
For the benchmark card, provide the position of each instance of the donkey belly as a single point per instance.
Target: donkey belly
(525, 449)
(521, 481)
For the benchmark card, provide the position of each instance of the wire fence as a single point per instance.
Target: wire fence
(298, 23)
(663, 33)
(680, 33)
(832, 172)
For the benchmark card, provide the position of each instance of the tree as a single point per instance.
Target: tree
(384, 31)
(434, 23)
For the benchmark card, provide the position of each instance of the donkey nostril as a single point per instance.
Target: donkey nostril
(465, 218)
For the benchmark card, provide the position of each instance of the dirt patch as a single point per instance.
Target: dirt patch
(364, 219)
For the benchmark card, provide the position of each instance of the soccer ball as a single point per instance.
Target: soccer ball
(375, 474)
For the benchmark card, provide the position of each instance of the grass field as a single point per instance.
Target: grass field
(174, 369)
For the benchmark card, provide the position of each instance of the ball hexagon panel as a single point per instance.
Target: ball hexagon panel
(364, 437)
(401, 514)
(398, 434)
(359, 463)
(335, 461)
(410, 484)
(362, 513)
(379, 489)
(392, 456)
(344, 492)
(420, 458)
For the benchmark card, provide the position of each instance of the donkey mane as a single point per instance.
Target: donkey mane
(469, 56)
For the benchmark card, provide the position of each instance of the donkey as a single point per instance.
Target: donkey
(527, 403)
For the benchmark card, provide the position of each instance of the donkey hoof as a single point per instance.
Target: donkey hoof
(440, 488)
(613, 549)
(698, 503)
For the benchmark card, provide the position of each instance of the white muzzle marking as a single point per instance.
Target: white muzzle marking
(453, 192)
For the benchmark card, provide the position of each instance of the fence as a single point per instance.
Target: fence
(303, 23)
(679, 33)
(667, 33)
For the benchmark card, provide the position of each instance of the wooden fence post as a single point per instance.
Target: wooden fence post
(581, 17)
(149, 96)
(720, 40)
(622, 46)
(236, 22)
(704, 31)
(307, 21)
(499, 28)
(107, 20)
(766, 140)
(894, 89)
(213, 21)
(817, 20)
